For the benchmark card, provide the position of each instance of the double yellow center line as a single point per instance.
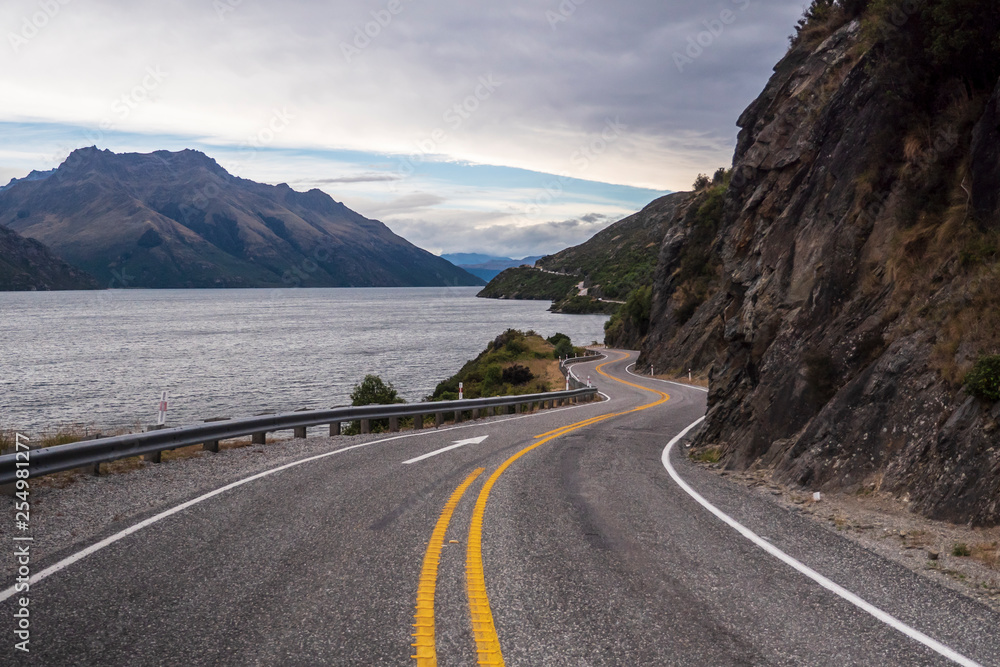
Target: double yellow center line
(483, 628)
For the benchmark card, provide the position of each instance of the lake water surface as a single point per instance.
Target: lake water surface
(101, 359)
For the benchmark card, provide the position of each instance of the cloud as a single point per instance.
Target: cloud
(416, 82)
(361, 178)
(498, 236)
(405, 204)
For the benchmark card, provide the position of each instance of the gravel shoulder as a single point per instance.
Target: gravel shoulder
(884, 525)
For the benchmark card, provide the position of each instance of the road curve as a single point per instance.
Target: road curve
(559, 539)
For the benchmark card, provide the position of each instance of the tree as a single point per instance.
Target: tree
(373, 391)
(564, 348)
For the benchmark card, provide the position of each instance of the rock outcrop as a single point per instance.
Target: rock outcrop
(856, 281)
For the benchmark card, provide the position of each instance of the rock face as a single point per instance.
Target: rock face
(857, 281)
(180, 220)
(27, 265)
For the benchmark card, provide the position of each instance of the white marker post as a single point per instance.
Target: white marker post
(689, 375)
(588, 380)
(461, 388)
(567, 381)
(161, 419)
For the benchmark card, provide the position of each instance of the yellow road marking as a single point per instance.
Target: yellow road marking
(424, 617)
(483, 627)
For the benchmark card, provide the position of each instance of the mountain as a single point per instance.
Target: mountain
(26, 264)
(486, 267)
(842, 289)
(178, 219)
(611, 265)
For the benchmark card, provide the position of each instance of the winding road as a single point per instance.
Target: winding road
(574, 536)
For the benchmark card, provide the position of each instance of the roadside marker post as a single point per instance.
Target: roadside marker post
(161, 418)
(461, 389)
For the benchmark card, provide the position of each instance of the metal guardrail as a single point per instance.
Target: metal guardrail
(48, 460)
(575, 382)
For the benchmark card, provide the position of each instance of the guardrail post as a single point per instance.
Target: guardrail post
(393, 424)
(458, 416)
(418, 422)
(153, 457)
(299, 432)
(258, 438)
(335, 428)
(438, 419)
(366, 426)
(211, 446)
(475, 413)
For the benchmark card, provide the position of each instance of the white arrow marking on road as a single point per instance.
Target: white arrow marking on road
(458, 443)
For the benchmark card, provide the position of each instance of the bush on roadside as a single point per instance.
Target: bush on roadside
(564, 348)
(373, 391)
(983, 381)
(517, 375)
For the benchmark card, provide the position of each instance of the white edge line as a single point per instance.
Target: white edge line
(97, 546)
(886, 618)
(646, 377)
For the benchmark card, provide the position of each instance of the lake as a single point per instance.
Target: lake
(101, 359)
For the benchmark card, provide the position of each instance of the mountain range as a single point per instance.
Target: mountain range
(486, 267)
(178, 219)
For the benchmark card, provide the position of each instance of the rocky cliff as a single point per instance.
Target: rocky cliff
(178, 219)
(854, 276)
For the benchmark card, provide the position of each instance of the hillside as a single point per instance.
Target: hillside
(514, 363)
(853, 279)
(611, 265)
(180, 220)
(26, 264)
(529, 284)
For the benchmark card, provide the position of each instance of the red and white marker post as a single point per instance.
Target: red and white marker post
(461, 390)
(161, 419)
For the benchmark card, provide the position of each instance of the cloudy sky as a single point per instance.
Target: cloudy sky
(514, 128)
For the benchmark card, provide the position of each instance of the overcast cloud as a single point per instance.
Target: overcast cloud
(642, 94)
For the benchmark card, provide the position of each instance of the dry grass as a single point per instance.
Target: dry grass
(706, 454)
(986, 553)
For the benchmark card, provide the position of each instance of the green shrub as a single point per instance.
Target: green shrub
(517, 374)
(492, 379)
(961, 550)
(637, 308)
(564, 348)
(373, 391)
(556, 337)
(983, 381)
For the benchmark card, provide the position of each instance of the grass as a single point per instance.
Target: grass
(484, 375)
(961, 550)
(706, 455)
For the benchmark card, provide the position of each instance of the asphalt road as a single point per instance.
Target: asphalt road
(588, 551)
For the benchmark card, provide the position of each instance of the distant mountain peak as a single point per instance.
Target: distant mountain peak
(178, 219)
